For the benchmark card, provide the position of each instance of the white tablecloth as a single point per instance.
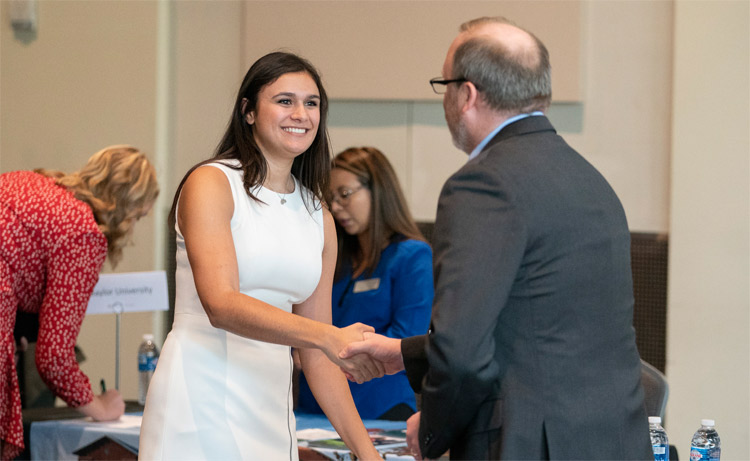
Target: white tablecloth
(59, 439)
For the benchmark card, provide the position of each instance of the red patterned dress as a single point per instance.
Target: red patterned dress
(51, 251)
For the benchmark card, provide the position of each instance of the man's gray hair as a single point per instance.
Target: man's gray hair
(508, 81)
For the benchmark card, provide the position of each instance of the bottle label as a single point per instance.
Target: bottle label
(147, 363)
(704, 454)
(660, 452)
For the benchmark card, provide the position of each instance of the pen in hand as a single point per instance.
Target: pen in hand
(104, 385)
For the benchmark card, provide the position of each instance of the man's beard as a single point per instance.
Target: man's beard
(460, 135)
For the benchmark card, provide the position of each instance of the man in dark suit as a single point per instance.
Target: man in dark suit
(532, 352)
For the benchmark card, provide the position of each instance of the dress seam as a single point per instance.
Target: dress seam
(288, 419)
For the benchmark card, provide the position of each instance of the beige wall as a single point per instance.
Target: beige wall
(708, 346)
(622, 126)
(402, 49)
(84, 81)
(164, 76)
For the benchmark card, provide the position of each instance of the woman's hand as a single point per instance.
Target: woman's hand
(108, 406)
(361, 367)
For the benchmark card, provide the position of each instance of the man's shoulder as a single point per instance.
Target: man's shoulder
(522, 133)
(533, 123)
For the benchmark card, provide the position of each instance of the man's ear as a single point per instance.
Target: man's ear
(468, 97)
(249, 116)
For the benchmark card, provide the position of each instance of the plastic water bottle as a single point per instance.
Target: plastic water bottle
(706, 445)
(148, 355)
(659, 441)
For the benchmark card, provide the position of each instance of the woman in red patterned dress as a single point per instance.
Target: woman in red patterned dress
(55, 232)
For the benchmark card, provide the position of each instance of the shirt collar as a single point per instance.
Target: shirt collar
(494, 132)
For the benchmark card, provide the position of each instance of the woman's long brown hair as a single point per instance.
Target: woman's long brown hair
(390, 218)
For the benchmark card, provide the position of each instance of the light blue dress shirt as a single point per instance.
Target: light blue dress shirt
(484, 142)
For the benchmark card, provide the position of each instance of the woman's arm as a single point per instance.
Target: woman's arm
(204, 214)
(72, 272)
(326, 381)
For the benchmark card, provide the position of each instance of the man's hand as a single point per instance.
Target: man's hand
(385, 350)
(412, 435)
(361, 368)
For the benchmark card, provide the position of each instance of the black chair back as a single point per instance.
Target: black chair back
(656, 389)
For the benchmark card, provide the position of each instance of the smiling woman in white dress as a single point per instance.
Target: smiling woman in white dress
(256, 250)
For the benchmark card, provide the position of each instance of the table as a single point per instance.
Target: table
(60, 439)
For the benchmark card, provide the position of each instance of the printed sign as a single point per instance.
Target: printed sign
(129, 292)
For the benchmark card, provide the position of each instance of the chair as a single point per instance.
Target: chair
(656, 389)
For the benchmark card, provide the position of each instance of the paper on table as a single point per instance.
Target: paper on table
(316, 434)
(125, 422)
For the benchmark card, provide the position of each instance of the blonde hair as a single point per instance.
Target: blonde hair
(119, 184)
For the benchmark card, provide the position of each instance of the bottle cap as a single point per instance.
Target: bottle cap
(708, 422)
(148, 337)
(654, 419)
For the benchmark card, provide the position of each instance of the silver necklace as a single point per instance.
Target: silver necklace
(282, 197)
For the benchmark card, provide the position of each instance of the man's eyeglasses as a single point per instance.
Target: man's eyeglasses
(440, 85)
(345, 195)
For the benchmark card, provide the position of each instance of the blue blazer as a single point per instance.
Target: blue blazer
(396, 300)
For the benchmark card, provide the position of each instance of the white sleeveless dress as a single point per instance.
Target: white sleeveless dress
(216, 395)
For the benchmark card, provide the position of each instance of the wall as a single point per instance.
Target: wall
(622, 126)
(708, 350)
(382, 51)
(84, 81)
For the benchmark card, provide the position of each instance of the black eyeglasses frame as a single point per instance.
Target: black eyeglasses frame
(445, 83)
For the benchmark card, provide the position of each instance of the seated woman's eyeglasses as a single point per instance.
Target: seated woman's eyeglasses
(344, 195)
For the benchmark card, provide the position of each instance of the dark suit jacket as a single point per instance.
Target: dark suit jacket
(532, 351)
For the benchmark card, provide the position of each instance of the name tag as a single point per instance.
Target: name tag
(366, 285)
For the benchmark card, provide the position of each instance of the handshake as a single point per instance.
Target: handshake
(370, 357)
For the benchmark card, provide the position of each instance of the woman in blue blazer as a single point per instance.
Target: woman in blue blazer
(383, 273)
